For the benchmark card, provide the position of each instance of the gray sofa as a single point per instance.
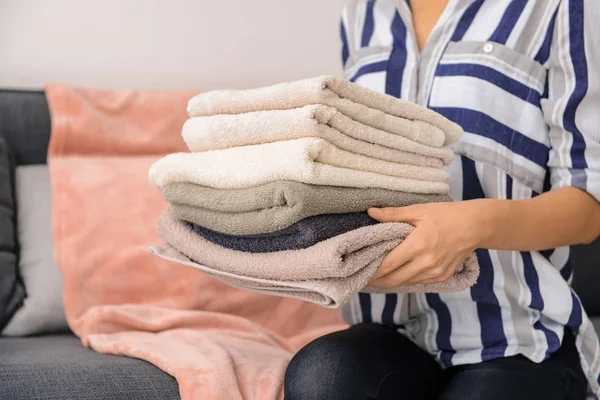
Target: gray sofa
(58, 367)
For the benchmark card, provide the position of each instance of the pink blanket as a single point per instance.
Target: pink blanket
(218, 342)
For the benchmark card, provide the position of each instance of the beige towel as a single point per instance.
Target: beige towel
(308, 160)
(277, 205)
(226, 130)
(375, 109)
(328, 273)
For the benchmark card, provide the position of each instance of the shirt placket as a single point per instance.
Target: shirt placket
(425, 62)
(422, 74)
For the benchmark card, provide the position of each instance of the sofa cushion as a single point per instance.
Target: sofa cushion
(11, 290)
(42, 310)
(59, 367)
(25, 124)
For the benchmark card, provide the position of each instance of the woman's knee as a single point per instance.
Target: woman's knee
(315, 369)
(340, 365)
(365, 361)
(327, 368)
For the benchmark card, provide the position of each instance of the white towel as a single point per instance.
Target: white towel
(307, 160)
(229, 130)
(375, 109)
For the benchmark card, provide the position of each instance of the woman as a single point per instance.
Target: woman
(523, 80)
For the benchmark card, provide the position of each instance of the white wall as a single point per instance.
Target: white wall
(198, 44)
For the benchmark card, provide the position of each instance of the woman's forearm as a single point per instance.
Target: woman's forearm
(557, 218)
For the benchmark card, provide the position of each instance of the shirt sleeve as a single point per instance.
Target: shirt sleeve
(572, 107)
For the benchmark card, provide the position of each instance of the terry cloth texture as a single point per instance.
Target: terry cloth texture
(328, 273)
(307, 160)
(231, 130)
(375, 109)
(301, 235)
(277, 205)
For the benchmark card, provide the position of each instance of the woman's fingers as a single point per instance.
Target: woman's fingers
(407, 214)
(399, 256)
(399, 276)
(442, 273)
(434, 276)
(420, 270)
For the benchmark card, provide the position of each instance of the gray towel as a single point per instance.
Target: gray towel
(328, 273)
(301, 235)
(277, 205)
(366, 106)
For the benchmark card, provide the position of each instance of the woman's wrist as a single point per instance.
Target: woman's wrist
(488, 222)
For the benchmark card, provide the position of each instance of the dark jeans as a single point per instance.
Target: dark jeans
(371, 361)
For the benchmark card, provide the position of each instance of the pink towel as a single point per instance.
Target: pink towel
(217, 341)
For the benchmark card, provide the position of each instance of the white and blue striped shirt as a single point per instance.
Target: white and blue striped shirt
(523, 80)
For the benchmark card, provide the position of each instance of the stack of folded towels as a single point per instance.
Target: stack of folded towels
(273, 196)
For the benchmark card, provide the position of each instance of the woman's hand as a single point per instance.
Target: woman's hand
(445, 235)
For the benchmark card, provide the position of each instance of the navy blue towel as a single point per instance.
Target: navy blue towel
(301, 235)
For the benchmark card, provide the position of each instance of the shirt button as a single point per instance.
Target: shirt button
(413, 326)
(488, 47)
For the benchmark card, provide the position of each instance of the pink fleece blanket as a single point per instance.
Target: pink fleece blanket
(218, 342)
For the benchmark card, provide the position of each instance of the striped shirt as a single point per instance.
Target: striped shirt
(523, 80)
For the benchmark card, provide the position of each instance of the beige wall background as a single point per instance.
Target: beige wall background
(175, 44)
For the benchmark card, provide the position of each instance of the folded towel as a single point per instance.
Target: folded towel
(301, 235)
(375, 109)
(308, 160)
(226, 130)
(277, 205)
(327, 273)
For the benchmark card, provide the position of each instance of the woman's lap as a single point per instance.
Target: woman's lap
(371, 361)
(361, 362)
